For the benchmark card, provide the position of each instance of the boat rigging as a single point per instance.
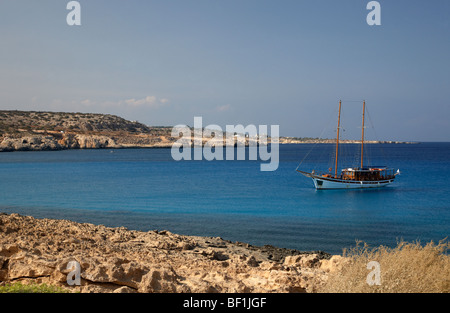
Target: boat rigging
(352, 177)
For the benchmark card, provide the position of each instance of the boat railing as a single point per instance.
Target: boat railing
(370, 174)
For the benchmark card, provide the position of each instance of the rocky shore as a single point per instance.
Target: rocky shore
(52, 141)
(128, 261)
(45, 131)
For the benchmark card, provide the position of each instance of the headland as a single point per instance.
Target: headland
(46, 131)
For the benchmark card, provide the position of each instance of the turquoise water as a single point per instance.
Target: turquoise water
(145, 189)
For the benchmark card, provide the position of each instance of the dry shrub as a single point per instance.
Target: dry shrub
(407, 268)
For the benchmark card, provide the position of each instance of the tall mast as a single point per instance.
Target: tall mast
(362, 135)
(337, 140)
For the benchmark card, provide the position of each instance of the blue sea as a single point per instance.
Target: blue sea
(145, 189)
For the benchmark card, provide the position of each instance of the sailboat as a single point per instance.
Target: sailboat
(352, 177)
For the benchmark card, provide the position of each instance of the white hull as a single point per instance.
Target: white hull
(321, 183)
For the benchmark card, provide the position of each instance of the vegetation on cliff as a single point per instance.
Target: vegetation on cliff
(31, 130)
(32, 121)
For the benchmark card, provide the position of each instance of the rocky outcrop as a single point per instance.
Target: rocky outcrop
(121, 260)
(49, 142)
(29, 143)
(38, 131)
(94, 142)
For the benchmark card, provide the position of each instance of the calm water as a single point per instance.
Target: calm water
(145, 189)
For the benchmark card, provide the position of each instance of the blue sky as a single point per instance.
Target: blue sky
(234, 62)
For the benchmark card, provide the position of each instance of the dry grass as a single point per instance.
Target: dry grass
(407, 268)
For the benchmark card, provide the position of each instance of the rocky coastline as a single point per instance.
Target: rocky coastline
(51, 131)
(54, 141)
(118, 260)
(60, 140)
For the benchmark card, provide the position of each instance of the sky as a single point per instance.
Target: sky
(260, 62)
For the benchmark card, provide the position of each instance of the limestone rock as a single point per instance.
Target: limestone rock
(118, 260)
(335, 263)
(309, 260)
(94, 142)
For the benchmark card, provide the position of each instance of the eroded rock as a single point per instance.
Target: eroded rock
(121, 260)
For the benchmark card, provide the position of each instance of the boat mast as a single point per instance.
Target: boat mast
(362, 135)
(337, 140)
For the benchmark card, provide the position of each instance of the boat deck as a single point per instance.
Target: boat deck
(359, 174)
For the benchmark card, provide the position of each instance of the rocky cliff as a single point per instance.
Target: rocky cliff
(121, 260)
(36, 131)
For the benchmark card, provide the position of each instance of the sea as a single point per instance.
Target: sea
(146, 189)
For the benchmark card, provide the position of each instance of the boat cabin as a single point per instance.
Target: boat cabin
(372, 173)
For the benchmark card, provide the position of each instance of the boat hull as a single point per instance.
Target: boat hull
(328, 183)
